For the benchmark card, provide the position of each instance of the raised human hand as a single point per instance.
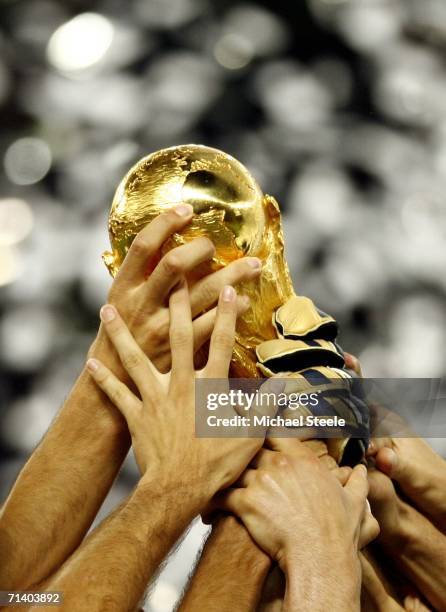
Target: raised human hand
(161, 419)
(141, 289)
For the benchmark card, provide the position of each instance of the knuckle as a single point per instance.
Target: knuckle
(181, 337)
(281, 460)
(223, 340)
(137, 320)
(263, 478)
(158, 328)
(172, 264)
(132, 360)
(208, 293)
(376, 529)
(117, 395)
(248, 500)
(140, 246)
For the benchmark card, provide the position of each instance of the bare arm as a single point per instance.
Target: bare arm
(410, 539)
(420, 552)
(64, 483)
(318, 586)
(53, 504)
(113, 567)
(180, 472)
(299, 513)
(230, 574)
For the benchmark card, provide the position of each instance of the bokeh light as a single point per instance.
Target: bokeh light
(337, 107)
(27, 161)
(80, 43)
(16, 220)
(10, 265)
(233, 51)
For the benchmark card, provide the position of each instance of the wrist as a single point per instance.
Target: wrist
(171, 483)
(323, 578)
(234, 534)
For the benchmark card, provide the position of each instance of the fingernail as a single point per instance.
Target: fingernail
(255, 263)
(92, 365)
(184, 210)
(107, 314)
(228, 294)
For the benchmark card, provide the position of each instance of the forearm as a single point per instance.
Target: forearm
(422, 556)
(230, 574)
(318, 582)
(62, 486)
(112, 568)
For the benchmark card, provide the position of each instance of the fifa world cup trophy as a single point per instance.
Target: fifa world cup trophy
(282, 332)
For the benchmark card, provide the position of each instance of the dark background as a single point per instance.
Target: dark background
(338, 107)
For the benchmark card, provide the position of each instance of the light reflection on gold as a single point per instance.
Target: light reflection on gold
(230, 209)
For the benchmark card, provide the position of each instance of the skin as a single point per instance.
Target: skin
(211, 590)
(288, 493)
(89, 425)
(410, 539)
(409, 527)
(420, 523)
(231, 571)
(419, 471)
(180, 473)
(378, 595)
(222, 580)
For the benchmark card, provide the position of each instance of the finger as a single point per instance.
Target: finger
(230, 500)
(413, 603)
(173, 266)
(181, 335)
(118, 393)
(287, 445)
(420, 473)
(343, 474)
(369, 528)
(376, 444)
(134, 361)
(263, 458)
(247, 478)
(149, 241)
(204, 325)
(206, 291)
(357, 487)
(352, 363)
(223, 336)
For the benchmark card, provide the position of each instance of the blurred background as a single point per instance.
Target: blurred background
(338, 108)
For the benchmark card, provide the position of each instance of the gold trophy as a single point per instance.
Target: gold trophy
(281, 332)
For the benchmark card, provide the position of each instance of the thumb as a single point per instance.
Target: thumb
(393, 465)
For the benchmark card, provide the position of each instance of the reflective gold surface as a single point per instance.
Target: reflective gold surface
(229, 208)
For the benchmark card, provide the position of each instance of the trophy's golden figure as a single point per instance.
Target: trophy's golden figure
(229, 208)
(281, 332)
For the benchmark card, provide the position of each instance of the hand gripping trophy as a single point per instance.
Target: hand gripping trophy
(282, 332)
